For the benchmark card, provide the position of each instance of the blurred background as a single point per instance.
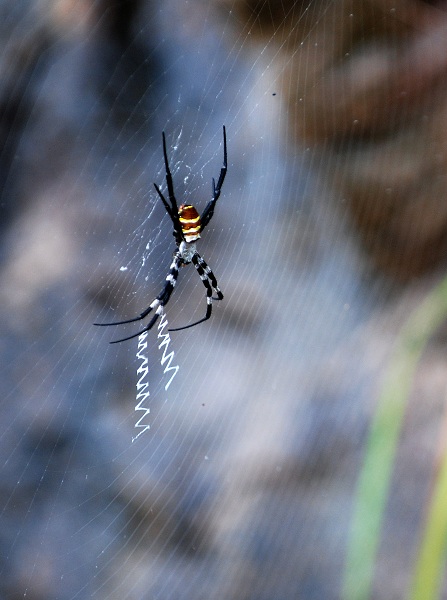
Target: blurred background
(299, 452)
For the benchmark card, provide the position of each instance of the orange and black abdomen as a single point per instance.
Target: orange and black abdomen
(190, 222)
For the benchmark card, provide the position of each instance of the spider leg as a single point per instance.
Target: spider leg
(147, 328)
(208, 272)
(158, 303)
(177, 233)
(207, 214)
(205, 274)
(165, 204)
(139, 318)
(173, 209)
(169, 181)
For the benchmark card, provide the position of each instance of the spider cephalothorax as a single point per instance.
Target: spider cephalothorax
(188, 225)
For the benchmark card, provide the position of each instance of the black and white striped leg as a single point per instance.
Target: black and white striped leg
(205, 274)
(160, 301)
(208, 272)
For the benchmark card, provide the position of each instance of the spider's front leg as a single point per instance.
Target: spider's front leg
(158, 303)
(208, 213)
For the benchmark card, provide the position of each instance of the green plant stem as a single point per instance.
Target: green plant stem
(374, 481)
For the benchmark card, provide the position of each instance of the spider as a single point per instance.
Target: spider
(188, 225)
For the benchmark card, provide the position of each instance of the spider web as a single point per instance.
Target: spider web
(241, 486)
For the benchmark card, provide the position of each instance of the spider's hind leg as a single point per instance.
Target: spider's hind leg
(202, 267)
(158, 303)
(205, 274)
